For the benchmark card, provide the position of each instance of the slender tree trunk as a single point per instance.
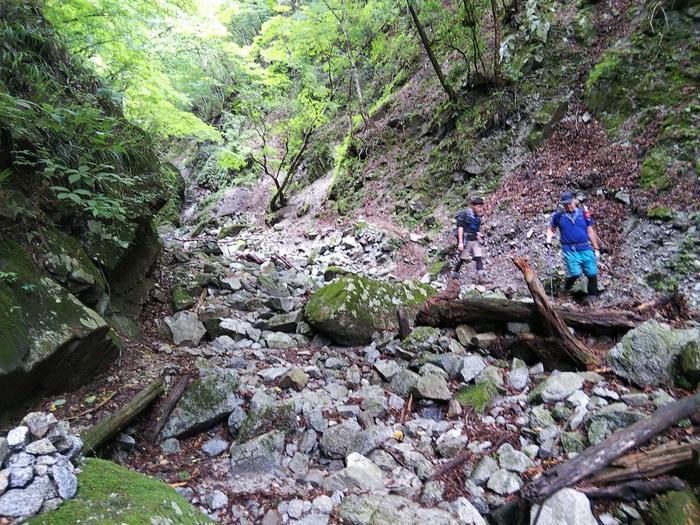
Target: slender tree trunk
(429, 50)
(496, 43)
(353, 66)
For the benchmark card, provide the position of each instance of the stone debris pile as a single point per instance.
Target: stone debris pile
(38, 466)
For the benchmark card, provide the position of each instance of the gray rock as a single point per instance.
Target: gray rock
(299, 465)
(369, 439)
(540, 417)
(271, 517)
(518, 378)
(284, 322)
(20, 460)
(466, 513)
(20, 477)
(403, 382)
(548, 438)
(557, 387)
(383, 509)
(170, 446)
(323, 504)
(386, 368)
(18, 503)
(280, 340)
(4, 450)
(214, 447)
(648, 355)
(360, 474)
(472, 366)
(451, 443)
(690, 360)
(216, 500)
(504, 482)
(39, 423)
(566, 507)
(235, 420)
(572, 442)
(262, 454)
(280, 415)
(432, 493)
(206, 401)
(66, 482)
(513, 460)
(18, 437)
(125, 442)
(338, 440)
(432, 387)
(609, 419)
(464, 334)
(296, 378)
(483, 470)
(41, 447)
(185, 328)
(4, 480)
(238, 329)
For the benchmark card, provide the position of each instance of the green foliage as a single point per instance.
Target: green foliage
(63, 132)
(112, 495)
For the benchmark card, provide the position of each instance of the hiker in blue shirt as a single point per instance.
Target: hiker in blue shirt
(469, 238)
(579, 242)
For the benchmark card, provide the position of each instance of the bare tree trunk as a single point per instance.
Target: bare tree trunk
(353, 66)
(429, 50)
(496, 43)
(599, 456)
(575, 349)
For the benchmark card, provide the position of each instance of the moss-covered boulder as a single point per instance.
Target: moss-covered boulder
(112, 495)
(279, 415)
(351, 309)
(47, 336)
(650, 354)
(182, 300)
(675, 508)
(68, 263)
(206, 401)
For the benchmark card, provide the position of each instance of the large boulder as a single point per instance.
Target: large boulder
(206, 401)
(48, 337)
(353, 308)
(650, 354)
(566, 507)
(112, 495)
(380, 509)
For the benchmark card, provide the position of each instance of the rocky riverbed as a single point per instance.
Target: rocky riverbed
(282, 425)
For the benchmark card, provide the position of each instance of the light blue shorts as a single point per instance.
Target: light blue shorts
(578, 261)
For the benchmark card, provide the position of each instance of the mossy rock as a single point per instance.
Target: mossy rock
(477, 396)
(112, 495)
(439, 268)
(661, 213)
(353, 308)
(206, 401)
(47, 336)
(675, 508)
(69, 264)
(275, 416)
(182, 300)
(231, 230)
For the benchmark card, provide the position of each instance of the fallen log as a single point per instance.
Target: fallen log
(555, 326)
(594, 458)
(635, 490)
(99, 434)
(167, 406)
(450, 312)
(649, 463)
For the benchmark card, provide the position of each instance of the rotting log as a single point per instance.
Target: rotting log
(99, 434)
(635, 490)
(450, 312)
(167, 406)
(599, 456)
(555, 326)
(660, 460)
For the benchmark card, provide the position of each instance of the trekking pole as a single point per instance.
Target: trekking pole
(549, 271)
